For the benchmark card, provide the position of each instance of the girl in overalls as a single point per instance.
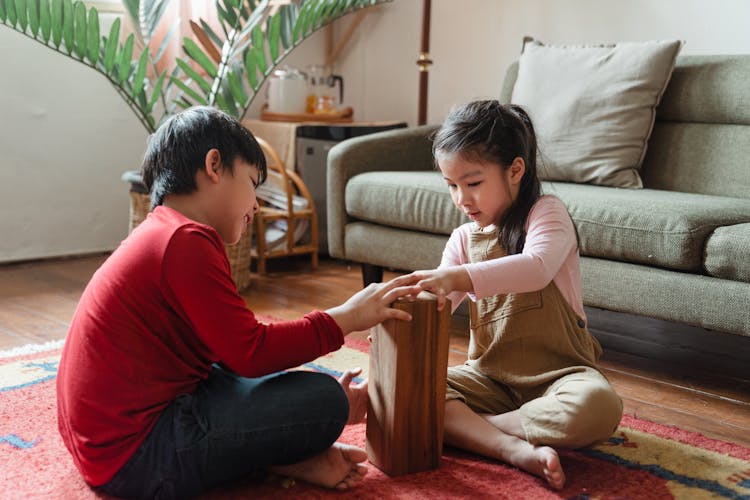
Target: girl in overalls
(530, 384)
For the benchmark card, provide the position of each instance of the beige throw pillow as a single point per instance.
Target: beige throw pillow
(593, 107)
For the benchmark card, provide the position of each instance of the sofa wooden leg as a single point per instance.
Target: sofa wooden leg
(371, 274)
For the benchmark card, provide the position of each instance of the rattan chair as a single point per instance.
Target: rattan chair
(292, 188)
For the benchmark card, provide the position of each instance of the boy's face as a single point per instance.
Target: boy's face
(236, 199)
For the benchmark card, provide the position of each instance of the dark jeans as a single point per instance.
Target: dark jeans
(232, 426)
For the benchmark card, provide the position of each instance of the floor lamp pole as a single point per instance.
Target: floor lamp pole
(424, 62)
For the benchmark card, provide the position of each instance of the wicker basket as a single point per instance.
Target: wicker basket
(238, 254)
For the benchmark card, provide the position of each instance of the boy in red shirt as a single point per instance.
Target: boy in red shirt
(168, 385)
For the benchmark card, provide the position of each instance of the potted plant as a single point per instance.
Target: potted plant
(223, 66)
(224, 69)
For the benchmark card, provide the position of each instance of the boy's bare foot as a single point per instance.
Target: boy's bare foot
(541, 461)
(357, 395)
(339, 467)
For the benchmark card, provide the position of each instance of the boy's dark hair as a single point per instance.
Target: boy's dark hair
(496, 133)
(178, 148)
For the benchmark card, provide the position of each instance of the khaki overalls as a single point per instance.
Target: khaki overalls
(531, 351)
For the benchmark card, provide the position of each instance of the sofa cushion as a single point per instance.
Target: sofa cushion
(660, 228)
(593, 107)
(728, 253)
(409, 200)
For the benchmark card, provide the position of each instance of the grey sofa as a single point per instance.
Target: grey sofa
(676, 251)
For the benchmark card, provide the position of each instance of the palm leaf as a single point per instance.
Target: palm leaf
(226, 19)
(155, 13)
(258, 46)
(183, 103)
(287, 12)
(140, 75)
(194, 75)
(206, 42)
(225, 101)
(302, 23)
(57, 23)
(235, 85)
(245, 9)
(156, 92)
(211, 34)
(251, 69)
(192, 93)
(3, 13)
(123, 61)
(327, 10)
(21, 14)
(133, 7)
(298, 22)
(255, 17)
(10, 7)
(230, 11)
(111, 47)
(93, 35)
(45, 20)
(318, 15)
(81, 29)
(33, 11)
(336, 10)
(273, 32)
(196, 54)
(67, 30)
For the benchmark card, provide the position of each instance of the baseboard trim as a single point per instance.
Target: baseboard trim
(693, 347)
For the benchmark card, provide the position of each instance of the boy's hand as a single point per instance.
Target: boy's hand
(356, 394)
(372, 305)
(443, 281)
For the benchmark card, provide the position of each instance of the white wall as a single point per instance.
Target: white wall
(474, 41)
(62, 153)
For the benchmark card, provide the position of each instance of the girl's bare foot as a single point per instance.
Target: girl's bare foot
(357, 395)
(541, 461)
(339, 467)
(471, 431)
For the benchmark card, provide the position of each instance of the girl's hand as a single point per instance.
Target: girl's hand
(443, 281)
(372, 305)
(357, 395)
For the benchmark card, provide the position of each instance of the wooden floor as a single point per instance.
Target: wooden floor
(37, 301)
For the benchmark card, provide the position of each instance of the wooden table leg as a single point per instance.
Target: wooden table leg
(408, 366)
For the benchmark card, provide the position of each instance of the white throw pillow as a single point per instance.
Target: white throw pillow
(593, 107)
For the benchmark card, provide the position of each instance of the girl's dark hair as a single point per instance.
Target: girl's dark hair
(496, 133)
(178, 148)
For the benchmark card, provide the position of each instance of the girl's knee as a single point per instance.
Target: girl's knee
(597, 416)
(574, 419)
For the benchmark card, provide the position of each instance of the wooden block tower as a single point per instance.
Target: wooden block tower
(408, 366)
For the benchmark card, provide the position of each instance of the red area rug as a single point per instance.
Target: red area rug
(642, 460)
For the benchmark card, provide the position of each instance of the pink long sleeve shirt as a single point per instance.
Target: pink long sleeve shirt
(550, 253)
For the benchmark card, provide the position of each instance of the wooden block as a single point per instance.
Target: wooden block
(408, 367)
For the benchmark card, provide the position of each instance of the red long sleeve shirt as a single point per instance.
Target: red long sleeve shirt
(153, 319)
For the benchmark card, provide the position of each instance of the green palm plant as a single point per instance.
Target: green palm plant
(224, 70)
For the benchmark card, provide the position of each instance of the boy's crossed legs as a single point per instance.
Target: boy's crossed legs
(231, 426)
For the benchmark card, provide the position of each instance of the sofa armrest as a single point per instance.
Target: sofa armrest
(393, 150)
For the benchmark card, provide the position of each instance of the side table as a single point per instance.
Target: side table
(304, 146)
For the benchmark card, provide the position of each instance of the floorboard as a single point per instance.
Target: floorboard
(37, 301)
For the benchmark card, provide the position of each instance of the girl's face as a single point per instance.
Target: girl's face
(483, 191)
